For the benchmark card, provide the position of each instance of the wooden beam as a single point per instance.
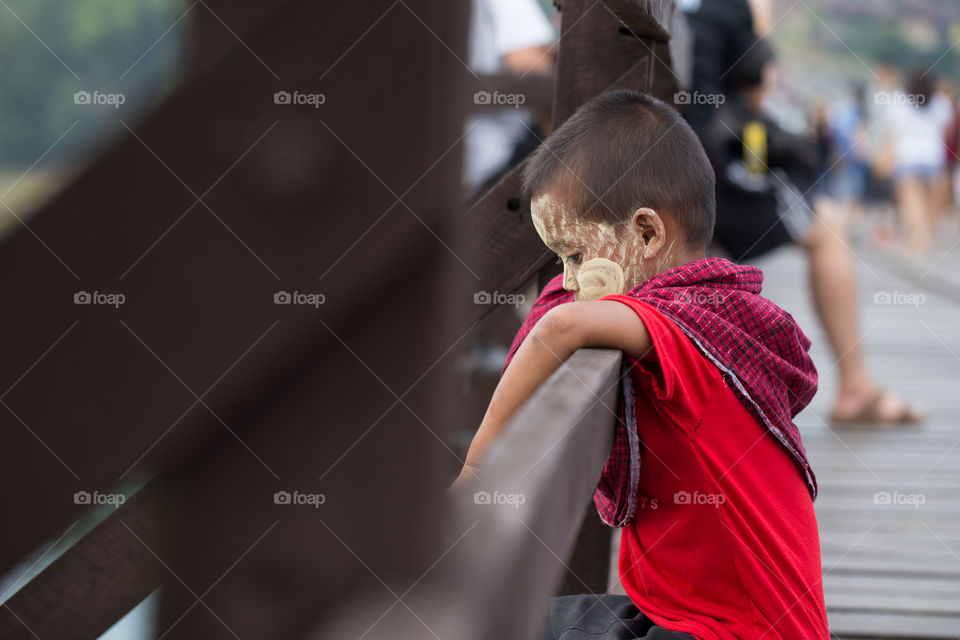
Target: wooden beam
(358, 427)
(645, 18)
(95, 582)
(528, 503)
(594, 56)
(299, 198)
(201, 369)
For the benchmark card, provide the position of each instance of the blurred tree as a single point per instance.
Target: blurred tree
(52, 49)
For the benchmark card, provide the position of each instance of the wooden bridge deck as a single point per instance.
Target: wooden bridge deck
(889, 505)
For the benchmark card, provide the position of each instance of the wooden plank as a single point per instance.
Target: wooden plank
(885, 585)
(176, 298)
(93, 583)
(644, 18)
(365, 416)
(293, 200)
(846, 539)
(944, 566)
(594, 54)
(893, 625)
(199, 314)
(550, 456)
(899, 601)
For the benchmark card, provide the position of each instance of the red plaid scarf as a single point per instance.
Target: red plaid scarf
(755, 344)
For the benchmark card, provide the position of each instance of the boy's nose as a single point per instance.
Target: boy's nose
(569, 279)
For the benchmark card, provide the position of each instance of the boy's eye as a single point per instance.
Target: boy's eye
(575, 258)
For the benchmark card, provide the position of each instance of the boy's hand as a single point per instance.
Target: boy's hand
(561, 331)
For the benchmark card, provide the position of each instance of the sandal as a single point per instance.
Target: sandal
(870, 416)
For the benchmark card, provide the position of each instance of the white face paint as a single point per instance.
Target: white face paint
(615, 261)
(600, 277)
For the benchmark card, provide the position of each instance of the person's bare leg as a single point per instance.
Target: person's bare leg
(939, 201)
(836, 301)
(912, 201)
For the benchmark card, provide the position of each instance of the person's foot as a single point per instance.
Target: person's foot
(876, 410)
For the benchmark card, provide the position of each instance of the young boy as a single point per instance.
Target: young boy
(719, 535)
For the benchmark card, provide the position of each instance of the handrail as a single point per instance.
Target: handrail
(527, 505)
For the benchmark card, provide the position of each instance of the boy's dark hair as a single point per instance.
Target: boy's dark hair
(624, 150)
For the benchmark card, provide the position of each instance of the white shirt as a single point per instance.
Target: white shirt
(498, 27)
(918, 132)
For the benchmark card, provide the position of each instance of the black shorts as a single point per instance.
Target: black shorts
(879, 189)
(751, 224)
(602, 617)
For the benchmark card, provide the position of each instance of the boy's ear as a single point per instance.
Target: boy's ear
(649, 227)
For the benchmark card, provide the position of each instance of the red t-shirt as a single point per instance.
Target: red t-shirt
(724, 544)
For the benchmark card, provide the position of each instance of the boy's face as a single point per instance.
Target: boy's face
(578, 241)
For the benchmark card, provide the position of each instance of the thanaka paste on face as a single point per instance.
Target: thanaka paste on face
(600, 277)
(562, 230)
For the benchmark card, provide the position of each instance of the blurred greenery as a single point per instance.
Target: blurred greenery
(54, 48)
(826, 46)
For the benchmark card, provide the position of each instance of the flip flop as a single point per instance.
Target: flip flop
(870, 416)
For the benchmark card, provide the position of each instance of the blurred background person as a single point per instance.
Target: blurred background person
(823, 137)
(947, 198)
(878, 195)
(506, 37)
(848, 176)
(722, 31)
(764, 177)
(916, 133)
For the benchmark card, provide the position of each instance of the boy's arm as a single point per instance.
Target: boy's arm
(563, 330)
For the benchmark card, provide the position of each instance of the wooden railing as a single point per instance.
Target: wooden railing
(529, 499)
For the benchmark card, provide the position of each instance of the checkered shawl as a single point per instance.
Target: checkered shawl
(755, 344)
